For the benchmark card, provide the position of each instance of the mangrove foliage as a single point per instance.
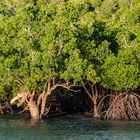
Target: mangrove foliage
(87, 48)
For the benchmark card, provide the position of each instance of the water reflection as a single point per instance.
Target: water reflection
(67, 128)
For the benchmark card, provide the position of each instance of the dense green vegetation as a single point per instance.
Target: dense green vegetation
(48, 45)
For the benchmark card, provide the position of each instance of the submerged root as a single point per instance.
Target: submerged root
(124, 106)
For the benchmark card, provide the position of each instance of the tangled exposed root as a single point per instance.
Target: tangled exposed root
(124, 106)
(1, 109)
(5, 108)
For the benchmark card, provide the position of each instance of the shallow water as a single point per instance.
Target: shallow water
(67, 128)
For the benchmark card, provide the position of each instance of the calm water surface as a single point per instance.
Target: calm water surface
(67, 128)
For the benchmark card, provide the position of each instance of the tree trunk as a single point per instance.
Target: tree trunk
(43, 103)
(95, 113)
(34, 111)
(45, 94)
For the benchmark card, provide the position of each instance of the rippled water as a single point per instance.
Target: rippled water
(67, 128)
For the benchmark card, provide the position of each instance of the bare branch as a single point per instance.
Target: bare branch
(20, 81)
(27, 108)
(87, 91)
(29, 30)
(31, 54)
(64, 85)
(125, 41)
